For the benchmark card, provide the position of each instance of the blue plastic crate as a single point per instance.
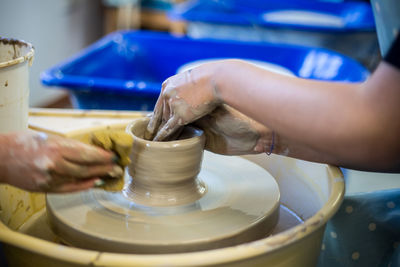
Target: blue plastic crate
(124, 70)
(346, 27)
(349, 15)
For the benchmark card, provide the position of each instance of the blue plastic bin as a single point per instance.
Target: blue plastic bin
(346, 27)
(125, 70)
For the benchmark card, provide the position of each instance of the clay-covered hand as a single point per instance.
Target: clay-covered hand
(184, 98)
(39, 162)
(230, 132)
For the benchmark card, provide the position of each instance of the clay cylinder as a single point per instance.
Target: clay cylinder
(15, 58)
(165, 173)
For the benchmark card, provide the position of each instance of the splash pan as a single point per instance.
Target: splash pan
(241, 204)
(310, 194)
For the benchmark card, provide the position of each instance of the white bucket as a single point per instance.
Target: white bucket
(15, 58)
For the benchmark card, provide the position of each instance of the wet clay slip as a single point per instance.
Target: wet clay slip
(173, 201)
(165, 173)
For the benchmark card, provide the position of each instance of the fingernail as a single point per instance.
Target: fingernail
(99, 182)
(116, 172)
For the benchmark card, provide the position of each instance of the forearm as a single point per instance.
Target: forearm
(344, 123)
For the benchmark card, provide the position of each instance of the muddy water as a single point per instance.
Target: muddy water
(37, 225)
(232, 211)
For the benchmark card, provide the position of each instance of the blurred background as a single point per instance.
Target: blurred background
(60, 29)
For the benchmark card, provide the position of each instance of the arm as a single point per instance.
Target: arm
(351, 125)
(354, 125)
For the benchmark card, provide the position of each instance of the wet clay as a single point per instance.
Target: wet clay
(165, 173)
(120, 143)
(229, 132)
(175, 201)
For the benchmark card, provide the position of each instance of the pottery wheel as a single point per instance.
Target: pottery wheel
(241, 204)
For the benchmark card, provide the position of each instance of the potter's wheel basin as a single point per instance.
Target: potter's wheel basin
(313, 191)
(241, 205)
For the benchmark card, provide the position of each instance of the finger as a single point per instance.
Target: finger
(74, 186)
(177, 133)
(214, 142)
(73, 170)
(85, 154)
(164, 117)
(155, 119)
(166, 114)
(169, 128)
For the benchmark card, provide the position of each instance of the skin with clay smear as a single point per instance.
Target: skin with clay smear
(237, 104)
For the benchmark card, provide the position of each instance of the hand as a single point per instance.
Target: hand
(184, 98)
(229, 132)
(40, 162)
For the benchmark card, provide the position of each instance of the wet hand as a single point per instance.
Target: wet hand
(184, 98)
(47, 163)
(230, 132)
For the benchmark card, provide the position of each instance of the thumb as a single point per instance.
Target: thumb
(168, 129)
(215, 141)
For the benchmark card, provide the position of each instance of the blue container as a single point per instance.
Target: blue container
(346, 27)
(125, 70)
(347, 16)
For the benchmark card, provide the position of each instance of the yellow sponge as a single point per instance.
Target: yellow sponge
(118, 142)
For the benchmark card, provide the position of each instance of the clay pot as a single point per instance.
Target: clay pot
(165, 173)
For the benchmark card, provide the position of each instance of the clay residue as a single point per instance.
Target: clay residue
(14, 43)
(18, 52)
(228, 131)
(166, 122)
